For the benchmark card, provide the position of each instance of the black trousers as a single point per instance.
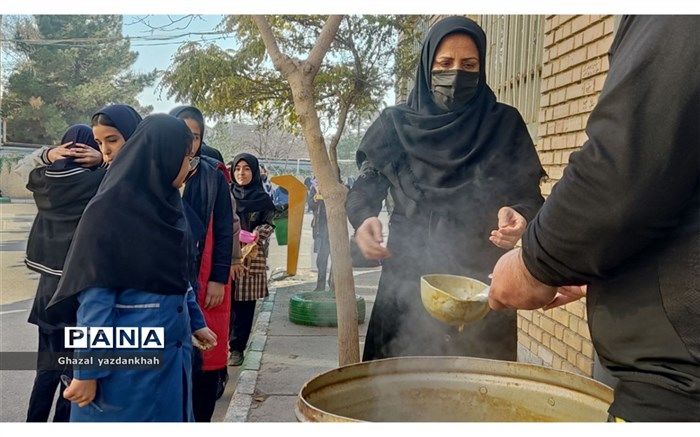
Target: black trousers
(47, 380)
(242, 313)
(204, 387)
(324, 251)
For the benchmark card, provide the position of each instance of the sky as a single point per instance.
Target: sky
(159, 56)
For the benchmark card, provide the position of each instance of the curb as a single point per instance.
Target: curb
(242, 398)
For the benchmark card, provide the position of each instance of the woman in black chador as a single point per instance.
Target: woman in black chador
(464, 174)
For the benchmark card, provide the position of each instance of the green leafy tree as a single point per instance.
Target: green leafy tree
(69, 66)
(351, 85)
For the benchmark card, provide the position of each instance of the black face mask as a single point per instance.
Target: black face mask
(194, 165)
(452, 89)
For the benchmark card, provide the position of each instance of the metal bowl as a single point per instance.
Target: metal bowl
(451, 389)
(451, 299)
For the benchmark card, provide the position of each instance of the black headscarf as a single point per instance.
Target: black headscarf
(251, 197)
(124, 117)
(78, 134)
(442, 160)
(133, 232)
(192, 112)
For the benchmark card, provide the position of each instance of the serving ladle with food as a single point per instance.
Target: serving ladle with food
(455, 300)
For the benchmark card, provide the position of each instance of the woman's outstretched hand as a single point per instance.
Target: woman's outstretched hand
(511, 226)
(369, 239)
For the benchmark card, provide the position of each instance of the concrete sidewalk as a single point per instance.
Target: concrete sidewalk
(282, 356)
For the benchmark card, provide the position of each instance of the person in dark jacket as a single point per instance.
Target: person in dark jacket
(65, 181)
(256, 212)
(211, 152)
(319, 230)
(207, 195)
(464, 175)
(624, 220)
(61, 191)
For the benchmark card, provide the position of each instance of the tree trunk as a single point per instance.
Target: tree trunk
(334, 194)
(300, 76)
(333, 155)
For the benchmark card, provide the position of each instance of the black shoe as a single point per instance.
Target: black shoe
(221, 384)
(235, 359)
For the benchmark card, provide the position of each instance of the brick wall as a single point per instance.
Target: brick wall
(574, 67)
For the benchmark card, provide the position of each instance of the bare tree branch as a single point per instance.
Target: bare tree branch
(333, 146)
(282, 62)
(323, 43)
(342, 118)
(146, 21)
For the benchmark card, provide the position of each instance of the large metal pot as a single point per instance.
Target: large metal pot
(451, 389)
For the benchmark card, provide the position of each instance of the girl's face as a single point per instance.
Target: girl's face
(110, 141)
(196, 133)
(184, 170)
(242, 173)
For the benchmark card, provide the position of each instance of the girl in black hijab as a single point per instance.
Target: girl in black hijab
(256, 211)
(128, 266)
(61, 192)
(112, 126)
(209, 205)
(464, 175)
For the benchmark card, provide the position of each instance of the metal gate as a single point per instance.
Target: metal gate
(514, 61)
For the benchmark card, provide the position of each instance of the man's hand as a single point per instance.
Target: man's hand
(206, 337)
(567, 294)
(511, 226)
(369, 238)
(81, 392)
(512, 285)
(215, 295)
(238, 271)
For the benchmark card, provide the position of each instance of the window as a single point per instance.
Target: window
(514, 61)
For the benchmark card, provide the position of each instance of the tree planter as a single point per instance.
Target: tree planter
(318, 308)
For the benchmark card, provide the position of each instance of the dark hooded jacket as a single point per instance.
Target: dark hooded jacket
(61, 192)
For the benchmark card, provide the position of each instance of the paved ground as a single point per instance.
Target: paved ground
(318, 351)
(17, 288)
(282, 356)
